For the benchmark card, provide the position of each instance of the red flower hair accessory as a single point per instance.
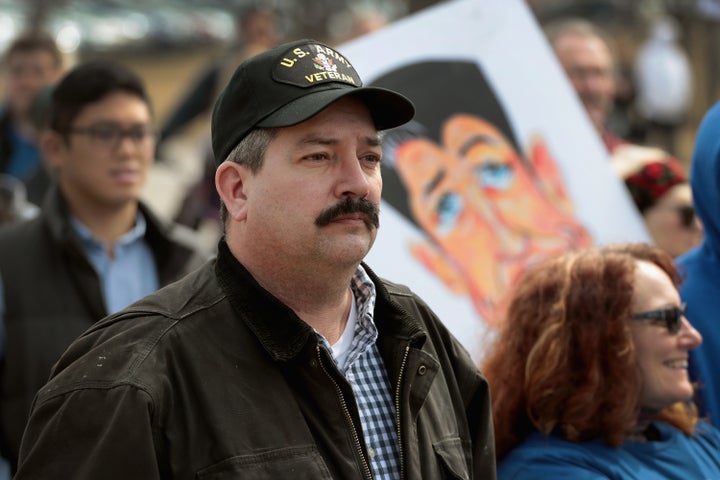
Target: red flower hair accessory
(653, 180)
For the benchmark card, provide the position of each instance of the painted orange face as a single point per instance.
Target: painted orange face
(522, 202)
(488, 213)
(439, 201)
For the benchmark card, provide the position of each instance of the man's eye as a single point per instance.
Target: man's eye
(104, 134)
(371, 158)
(138, 134)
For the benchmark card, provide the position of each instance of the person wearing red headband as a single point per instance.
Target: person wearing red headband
(660, 190)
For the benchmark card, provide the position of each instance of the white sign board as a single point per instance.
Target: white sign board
(500, 167)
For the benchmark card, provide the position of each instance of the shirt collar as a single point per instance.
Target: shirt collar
(135, 233)
(365, 294)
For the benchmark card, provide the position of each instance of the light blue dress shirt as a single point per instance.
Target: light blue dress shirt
(130, 273)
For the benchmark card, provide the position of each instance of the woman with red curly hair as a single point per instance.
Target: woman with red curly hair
(589, 372)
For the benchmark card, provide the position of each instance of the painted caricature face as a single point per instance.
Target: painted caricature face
(662, 356)
(437, 186)
(497, 174)
(108, 152)
(488, 212)
(309, 169)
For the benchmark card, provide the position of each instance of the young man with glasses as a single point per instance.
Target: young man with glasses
(94, 248)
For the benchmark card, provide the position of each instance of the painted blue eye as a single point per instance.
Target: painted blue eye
(495, 175)
(448, 210)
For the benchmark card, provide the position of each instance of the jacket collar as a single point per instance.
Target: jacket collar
(281, 332)
(56, 214)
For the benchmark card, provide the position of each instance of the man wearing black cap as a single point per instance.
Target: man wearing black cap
(287, 357)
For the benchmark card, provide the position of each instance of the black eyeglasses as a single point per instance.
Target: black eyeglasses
(109, 136)
(671, 317)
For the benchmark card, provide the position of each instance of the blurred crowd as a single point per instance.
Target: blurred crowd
(586, 52)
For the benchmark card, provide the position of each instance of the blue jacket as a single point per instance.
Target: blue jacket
(675, 457)
(701, 289)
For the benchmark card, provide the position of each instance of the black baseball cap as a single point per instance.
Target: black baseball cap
(290, 83)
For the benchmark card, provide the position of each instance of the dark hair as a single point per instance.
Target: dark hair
(89, 83)
(564, 360)
(251, 153)
(34, 42)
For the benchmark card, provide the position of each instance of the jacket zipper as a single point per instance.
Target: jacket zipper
(356, 438)
(397, 411)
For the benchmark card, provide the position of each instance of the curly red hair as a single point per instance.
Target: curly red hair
(563, 361)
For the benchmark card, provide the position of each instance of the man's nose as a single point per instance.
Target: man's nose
(353, 179)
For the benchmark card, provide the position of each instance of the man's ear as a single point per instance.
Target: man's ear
(231, 183)
(53, 147)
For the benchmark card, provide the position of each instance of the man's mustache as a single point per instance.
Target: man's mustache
(348, 206)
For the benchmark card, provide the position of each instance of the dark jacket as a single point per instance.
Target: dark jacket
(52, 294)
(213, 377)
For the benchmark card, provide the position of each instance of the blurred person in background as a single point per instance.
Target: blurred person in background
(94, 248)
(660, 190)
(701, 265)
(258, 29)
(588, 373)
(585, 53)
(355, 21)
(31, 62)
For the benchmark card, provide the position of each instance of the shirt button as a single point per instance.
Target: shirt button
(422, 369)
(371, 452)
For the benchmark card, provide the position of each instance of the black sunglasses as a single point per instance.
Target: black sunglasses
(687, 215)
(670, 316)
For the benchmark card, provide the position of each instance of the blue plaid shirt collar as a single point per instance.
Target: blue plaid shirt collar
(365, 294)
(366, 333)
